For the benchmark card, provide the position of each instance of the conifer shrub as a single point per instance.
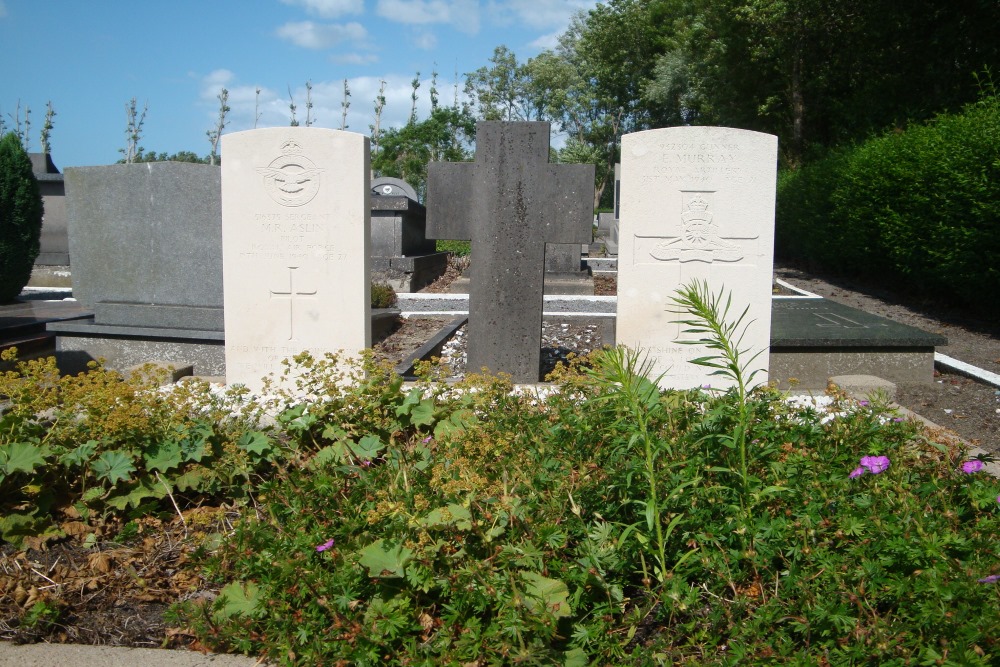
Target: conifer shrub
(20, 217)
(917, 208)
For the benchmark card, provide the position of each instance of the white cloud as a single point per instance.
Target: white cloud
(310, 35)
(215, 81)
(462, 14)
(424, 40)
(542, 14)
(329, 9)
(354, 58)
(546, 41)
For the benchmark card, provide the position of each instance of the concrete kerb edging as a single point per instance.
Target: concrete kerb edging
(80, 655)
(968, 370)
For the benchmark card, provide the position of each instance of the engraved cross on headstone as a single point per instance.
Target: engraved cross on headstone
(290, 295)
(510, 202)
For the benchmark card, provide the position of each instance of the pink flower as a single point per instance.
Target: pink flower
(972, 466)
(427, 439)
(875, 464)
(992, 579)
(326, 545)
(863, 404)
(872, 464)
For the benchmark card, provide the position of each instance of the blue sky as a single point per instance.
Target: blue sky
(90, 57)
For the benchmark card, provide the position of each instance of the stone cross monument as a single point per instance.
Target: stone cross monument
(510, 202)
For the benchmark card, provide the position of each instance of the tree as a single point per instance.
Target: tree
(445, 136)
(179, 156)
(20, 217)
(376, 127)
(500, 91)
(415, 84)
(291, 108)
(309, 104)
(47, 127)
(816, 73)
(344, 106)
(133, 131)
(216, 133)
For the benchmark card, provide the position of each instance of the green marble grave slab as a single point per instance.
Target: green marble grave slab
(823, 323)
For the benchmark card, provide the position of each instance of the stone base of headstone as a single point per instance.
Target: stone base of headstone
(815, 339)
(581, 283)
(409, 274)
(864, 386)
(811, 368)
(51, 276)
(78, 342)
(578, 282)
(602, 265)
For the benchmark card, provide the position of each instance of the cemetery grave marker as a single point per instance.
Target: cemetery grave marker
(697, 203)
(510, 202)
(295, 245)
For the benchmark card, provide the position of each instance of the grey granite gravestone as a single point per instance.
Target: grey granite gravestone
(388, 186)
(510, 202)
(52, 264)
(145, 241)
(402, 255)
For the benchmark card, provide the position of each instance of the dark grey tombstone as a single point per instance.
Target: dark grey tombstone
(54, 240)
(510, 202)
(618, 188)
(387, 186)
(145, 240)
(146, 243)
(401, 252)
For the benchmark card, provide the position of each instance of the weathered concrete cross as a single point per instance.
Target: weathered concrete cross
(510, 202)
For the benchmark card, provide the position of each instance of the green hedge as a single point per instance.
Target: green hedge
(20, 217)
(919, 209)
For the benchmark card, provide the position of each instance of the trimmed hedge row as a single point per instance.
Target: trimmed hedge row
(919, 209)
(20, 217)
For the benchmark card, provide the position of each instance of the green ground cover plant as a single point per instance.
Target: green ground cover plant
(605, 521)
(97, 444)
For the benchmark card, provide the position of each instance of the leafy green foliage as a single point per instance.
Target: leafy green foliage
(917, 208)
(20, 217)
(607, 523)
(383, 296)
(97, 442)
(456, 248)
(604, 522)
(442, 137)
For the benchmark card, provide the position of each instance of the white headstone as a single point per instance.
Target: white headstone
(697, 203)
(295, 242)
